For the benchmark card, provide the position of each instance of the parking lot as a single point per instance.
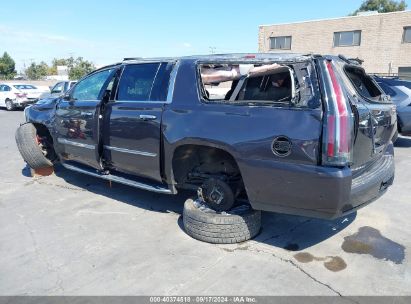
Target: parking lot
(70, 234)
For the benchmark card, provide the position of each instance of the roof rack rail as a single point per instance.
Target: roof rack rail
(132, 58)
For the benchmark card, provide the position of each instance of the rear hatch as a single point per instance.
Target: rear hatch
(379, 126)
(372, 116)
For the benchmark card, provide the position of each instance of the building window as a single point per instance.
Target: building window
(407, 34)
(350, 38)
(280, 43)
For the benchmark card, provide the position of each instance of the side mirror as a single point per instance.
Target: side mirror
(106, 96)
(66, 97)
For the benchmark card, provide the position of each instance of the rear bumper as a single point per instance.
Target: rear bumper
(314, 191)
(22, 103)
(373, 183)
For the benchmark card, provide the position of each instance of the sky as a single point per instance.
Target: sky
(105, 32)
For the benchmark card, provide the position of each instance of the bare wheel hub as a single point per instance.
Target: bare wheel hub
(216, 194)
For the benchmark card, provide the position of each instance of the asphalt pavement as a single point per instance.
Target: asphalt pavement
(70, 234)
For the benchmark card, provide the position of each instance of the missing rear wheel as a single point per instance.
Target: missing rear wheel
(217, 195)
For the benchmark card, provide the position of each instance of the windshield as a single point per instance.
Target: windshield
(25, 87)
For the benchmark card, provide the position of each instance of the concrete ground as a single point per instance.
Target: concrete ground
(69, 234)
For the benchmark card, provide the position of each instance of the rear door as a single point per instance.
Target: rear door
(132, 120)
(77, 120)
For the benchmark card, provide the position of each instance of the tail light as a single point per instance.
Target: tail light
(337, 145)
(20, 95)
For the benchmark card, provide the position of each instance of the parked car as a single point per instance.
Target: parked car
(32, 91)
(400, 92)
(16, 96)
(297, 134)
(58, 89)
(20, 77)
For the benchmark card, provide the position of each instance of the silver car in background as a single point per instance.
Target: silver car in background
(400, 92)
(59, 89)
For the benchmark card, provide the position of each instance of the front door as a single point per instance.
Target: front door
(77, 120)
(132, 120)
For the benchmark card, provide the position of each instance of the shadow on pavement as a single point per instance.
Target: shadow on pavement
(132, 196)
(292, 233)
(295, 233)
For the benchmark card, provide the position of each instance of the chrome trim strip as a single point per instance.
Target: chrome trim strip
(130, 151)
(120, 180)
(75, 143)
(172, 83)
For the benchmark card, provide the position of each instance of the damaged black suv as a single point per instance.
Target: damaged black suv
(307, 135)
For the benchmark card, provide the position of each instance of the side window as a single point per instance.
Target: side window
(136, 82)
(1, 88)
(265, 84)
(6, 88)
(161, 83)
(90, 87)
(58, 88)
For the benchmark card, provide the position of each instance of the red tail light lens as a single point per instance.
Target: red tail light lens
(20, 95)
(338, 126)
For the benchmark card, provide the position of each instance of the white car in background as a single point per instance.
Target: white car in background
(16, 95)
(33, 92)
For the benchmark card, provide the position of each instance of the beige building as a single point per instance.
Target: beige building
(383, 41)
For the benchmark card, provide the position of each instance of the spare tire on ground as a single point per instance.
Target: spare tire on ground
(30, 148)
(237, 225)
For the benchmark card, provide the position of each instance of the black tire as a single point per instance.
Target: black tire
(238, 225)
(29, 149)
(10, 105)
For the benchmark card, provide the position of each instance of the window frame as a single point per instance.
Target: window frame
(170, 87)
(345, 67)
(285, 39)
(270, 104)
(106, 82)
(353, 40)
(406, 28)
(58, 83)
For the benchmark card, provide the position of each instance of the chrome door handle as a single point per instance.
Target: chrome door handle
(86, 115)
(147, 117)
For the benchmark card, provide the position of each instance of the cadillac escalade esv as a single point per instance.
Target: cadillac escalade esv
(299, 134)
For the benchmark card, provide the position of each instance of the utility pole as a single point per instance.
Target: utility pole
(212, 49)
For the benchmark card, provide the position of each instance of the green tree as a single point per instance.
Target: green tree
(7, 66)
(60, 62)
(382, 6)
(79, 67)
(37, 71)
